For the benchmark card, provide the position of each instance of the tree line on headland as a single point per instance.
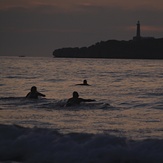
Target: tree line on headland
(132, 49)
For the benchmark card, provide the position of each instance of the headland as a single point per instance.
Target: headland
(137, 48)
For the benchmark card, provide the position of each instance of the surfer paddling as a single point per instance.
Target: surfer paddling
(34, 94)
(84, 83)
(75, 100)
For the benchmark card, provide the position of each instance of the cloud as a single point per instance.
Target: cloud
(72, 4)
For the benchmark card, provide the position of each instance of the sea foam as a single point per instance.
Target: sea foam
(48, 145)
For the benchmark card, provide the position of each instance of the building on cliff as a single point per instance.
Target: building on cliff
(138, 36)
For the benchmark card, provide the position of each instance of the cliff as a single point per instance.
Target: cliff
(141, 49)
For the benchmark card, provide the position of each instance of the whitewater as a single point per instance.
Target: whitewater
(123, 125)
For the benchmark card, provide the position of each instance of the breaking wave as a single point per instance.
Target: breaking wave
(49, 145)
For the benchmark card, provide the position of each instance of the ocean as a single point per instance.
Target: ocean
(123, 125)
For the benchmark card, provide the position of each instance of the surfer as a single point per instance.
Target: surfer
(84, 83)
(75, 100)
(34, 93)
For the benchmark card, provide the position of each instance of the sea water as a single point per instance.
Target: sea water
(123, 125)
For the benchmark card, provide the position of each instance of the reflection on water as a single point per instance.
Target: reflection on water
(128, 95)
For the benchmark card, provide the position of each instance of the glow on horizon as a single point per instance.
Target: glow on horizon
(147, 28)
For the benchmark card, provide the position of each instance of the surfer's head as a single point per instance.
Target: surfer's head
(75, 94)
(85, 82)
(33, 89)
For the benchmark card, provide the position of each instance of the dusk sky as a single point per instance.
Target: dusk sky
(38, 27)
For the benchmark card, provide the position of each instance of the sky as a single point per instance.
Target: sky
(38, 27)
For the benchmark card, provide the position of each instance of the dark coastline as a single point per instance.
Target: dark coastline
(114, 49)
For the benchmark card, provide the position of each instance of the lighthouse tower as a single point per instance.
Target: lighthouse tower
(138, 36)
(138, 30)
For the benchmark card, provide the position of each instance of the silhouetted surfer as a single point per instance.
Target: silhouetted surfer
(75, 100)
(84, 83)
(33, 94)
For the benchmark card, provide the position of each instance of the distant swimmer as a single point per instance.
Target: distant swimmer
(75, 100)
(84, 83)
(33, 94)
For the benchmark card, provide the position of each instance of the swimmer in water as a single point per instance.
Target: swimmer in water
(84, 83)
(33, 94)
(75, 100)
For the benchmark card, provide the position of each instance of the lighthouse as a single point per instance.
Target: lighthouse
(138, 36)
(138, 30)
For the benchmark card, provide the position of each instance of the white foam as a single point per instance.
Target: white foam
(47, 145)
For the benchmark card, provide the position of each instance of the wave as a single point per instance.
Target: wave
(43, 103)
(11, 98)
(20, 77)
(49, 145)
